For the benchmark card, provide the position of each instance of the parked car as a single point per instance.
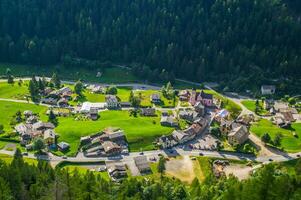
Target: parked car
(270, 159)
(25, 153)
(201, 154)
(141, 153)
(64, 157)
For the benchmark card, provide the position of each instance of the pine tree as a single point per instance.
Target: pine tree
(56, 81)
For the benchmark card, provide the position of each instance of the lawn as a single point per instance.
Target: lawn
(14, 91)
(228, 104)
(146, 102)
(110, 74)
(288, 142)
(8, 109)
(8, 159)
(251, 105)
(141, 132)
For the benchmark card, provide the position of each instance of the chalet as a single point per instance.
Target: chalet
(181, 137)
(32, 119)
(49, 100)
(112, 101)
(111, 148)
(97, 89)
(202, 121)
(268, 89)
(184, 95)
(268, 104)
(93, 114)
(167, 141)
(148, 112)
(188, 115)
(194, 130)
(25, 131)
(117, 172)
(245, 119)
(142, 164)
(63, 146)
(63, 103)
(199, 108)
(225, 126)
(125, 104)
(114, 136)
(222, 115)
(27, 113)
(64, 90)
(155, 98)
(238, 135)
(42, 126)
(49, 136)
(170, 121)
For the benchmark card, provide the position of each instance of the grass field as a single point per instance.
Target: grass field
(8, 109)
(146, 102)
(110, 74)
(13, 91)
(251, 105)
(288, 142)
(8, 159)
(140, 132)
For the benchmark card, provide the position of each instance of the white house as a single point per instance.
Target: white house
(268, 89)
(87, 106)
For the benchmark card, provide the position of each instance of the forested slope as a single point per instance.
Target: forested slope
(18, 180)
(245, 41)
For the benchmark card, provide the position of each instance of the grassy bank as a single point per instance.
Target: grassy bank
(288, 142)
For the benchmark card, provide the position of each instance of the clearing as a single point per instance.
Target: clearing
(288, 141)
(140, 132)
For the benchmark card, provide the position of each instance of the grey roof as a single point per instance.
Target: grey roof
(142, 163)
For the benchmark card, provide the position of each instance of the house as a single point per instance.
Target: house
(284, 119)
(170, 121)
(268, 104)
(63, 146)
(194, 130)
(155, 98)
(117, 171)
(114, 136)
(238, 135)
(184, 95)
(49, 100)
(125, 104)
(166, 141)
(222, 114)
(188, 115)
(112, 101)
(181, 137)
(288, 117)
(281, 106)
(142, 164)
(87, 106)
(25, 131)
(268, 89)
(245, 119)
(63, 103)
(32, 119)
(148, 112)
(27, 113)
(206, 99)
(65, 90)
(199, 108)
(93, 114)
(42, 126)
(225, 126)
(97, 89)
(49, 136)
(111, 148)
(202, 121)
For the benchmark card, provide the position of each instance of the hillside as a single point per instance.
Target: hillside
(241, 44)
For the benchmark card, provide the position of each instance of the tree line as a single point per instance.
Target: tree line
(245, 42)
(19, 180)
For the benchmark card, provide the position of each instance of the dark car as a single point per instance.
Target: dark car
(201, 154)
(25, 153)
(298, 155)
(141, 153)
(270, 159)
